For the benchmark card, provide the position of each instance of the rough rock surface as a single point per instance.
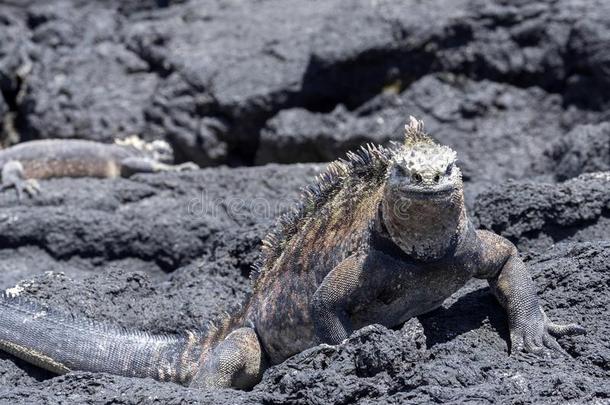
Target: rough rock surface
(456, 353)
(520, 89)
(511, 127)
(209, 75)
(163, 220)
(14, 34)
(224, 96)
(538, 215)
(76, 48)
(3, 114)
(585, 149)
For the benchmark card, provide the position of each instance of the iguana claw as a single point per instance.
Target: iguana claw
(12, 176)
(183, 167)
(538, 336)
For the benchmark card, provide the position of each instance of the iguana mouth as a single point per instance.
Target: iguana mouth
(425, 193)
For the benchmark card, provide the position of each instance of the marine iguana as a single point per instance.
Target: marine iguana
(381, 237)
(23, 163)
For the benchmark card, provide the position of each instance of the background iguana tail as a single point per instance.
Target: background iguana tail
(61, 343)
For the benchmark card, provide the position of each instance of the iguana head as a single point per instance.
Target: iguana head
(423, 197)
(158, 150)
(423, 169)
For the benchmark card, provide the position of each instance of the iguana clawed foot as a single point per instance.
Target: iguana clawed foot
(183, 167)
(538, 336)
(146, 165)
(28, 186)
(12, 176)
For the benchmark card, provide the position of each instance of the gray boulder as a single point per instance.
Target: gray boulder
(541, 214)
(585, 149)
(498, 130)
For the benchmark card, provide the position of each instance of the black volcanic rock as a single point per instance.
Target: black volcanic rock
(208, 76)
(14, 64)
(216, 98)
(585, 149)
(540, 214)
(164, 220)
(498, 130)
(122, 237)
(83, 82)
(520, 89)
(15, 35)
(456, 353)
(3, 116)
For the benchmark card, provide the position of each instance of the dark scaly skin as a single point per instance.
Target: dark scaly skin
(530, 328)
(383, 237)
(59, 343)
(23, 163)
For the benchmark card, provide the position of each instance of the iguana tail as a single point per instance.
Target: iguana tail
(62, 343)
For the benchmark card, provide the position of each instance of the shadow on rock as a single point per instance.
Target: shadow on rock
(468, 313)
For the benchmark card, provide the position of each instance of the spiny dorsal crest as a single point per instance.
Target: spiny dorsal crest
(415, 134)
(367, 165)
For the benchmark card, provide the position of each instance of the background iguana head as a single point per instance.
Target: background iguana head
(158, 150)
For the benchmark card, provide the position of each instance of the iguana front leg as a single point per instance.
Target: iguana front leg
(329, 303)
(13, 176)
(530, 328)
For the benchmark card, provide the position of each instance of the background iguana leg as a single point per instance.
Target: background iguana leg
(236, 362)
(13, 176)
(134, 165)
(329, 313)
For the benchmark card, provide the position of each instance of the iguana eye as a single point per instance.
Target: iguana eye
(416, 177)
(437, 178)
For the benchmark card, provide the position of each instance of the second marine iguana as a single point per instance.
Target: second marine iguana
(24, 163)
(381, 237)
